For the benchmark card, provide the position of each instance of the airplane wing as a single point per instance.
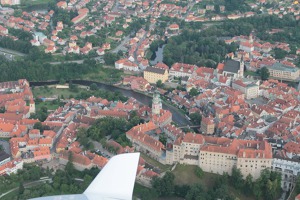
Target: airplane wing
(115, 181)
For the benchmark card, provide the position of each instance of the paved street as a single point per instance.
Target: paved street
(97, 145)
(12, 52)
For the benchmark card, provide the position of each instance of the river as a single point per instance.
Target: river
(158, 55)
(178, 117)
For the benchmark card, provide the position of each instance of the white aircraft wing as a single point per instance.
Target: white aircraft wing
(115, 181)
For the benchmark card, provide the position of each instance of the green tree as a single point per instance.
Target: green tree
(110, 58)
(163, 138)
(196, 193)
(196, 118)
(199, 172)
(38, 125)
(62, 81)
(264, 73)
(93, 86)
(279, 53)
(194, 92)
(21, 188)
(297, 186)
(2, 109)
(236, 178)
(159, 84)
(181, 190)
(70, 166)
(249, 185)
(164, 186)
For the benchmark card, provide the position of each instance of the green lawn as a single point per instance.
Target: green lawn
(184, 174)
(49, 105)
(53, 92)
(37, 2)
(155, 163)
(251, 73)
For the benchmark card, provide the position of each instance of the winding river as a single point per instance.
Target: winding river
(178, 117)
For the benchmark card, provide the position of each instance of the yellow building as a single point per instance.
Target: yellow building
(153, 74)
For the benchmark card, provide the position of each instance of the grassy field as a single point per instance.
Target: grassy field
(53, 92)
(184, 174)
(251, 73)
(49, 105)
(155, 163)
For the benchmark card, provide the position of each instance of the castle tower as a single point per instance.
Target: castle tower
(156, 104)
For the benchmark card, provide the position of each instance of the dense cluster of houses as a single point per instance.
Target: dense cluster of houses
(16, 103)
(59, 133)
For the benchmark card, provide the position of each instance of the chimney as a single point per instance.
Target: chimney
(244, 154)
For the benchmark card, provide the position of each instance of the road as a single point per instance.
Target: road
(120, 46)
(12, 52)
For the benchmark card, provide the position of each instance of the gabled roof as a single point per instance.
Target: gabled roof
(232, 66)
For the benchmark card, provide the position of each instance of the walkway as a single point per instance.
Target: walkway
(27, 185)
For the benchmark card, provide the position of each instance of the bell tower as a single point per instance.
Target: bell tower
(156, 104)
(241, 71)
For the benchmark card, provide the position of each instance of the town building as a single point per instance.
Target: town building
(142, 141)
(182, 70)
(220, 155)
(233, 68)
(207, 125)
(284, 72)
(10, 2)
(248, 87)
(153, 74)
(11, 167)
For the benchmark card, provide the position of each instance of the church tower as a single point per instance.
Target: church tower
(156, 104)
(241, 71)
(31, 106)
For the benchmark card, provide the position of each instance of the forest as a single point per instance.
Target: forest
(37, 70)
(207, 47)
(63, 182)
(193, 48)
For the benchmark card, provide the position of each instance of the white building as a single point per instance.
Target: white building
(289, 169)
(248, 87)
